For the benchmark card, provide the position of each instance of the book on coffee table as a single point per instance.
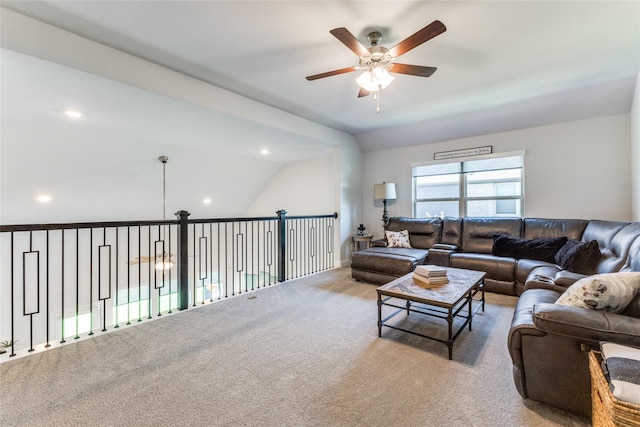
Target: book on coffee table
(430, 270)
(429, 276)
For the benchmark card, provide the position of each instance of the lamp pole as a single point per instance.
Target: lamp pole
(385, 213)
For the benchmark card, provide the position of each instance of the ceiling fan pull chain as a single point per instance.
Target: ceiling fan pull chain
(376, 96)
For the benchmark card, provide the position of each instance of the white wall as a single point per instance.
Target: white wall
(576, 169)
(350, 183)
(301, 188)
(635, 152)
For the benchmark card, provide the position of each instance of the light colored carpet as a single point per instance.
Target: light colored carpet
(302, 353)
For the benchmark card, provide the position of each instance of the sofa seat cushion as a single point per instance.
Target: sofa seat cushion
(497, 268)
(391, 261)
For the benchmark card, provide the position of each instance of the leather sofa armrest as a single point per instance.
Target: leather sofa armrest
(543, 282)
(566, 278)
(548, 277)
(439, 254)
(379, 243)
(445, 247)
(585, 324)
(522, 322)
(543, 277)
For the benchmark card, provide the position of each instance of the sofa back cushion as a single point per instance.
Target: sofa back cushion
(423, 232)
(537, 228)
(604, 232)
(615, 255)
(452, 231)
(477, 233)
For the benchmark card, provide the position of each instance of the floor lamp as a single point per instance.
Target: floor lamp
(385, 192)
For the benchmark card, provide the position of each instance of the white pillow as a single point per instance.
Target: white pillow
(397, 239)
(610, 292)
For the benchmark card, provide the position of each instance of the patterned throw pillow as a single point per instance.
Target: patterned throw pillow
(610, 292)
(397, 239)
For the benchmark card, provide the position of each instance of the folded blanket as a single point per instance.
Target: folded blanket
(623, 366)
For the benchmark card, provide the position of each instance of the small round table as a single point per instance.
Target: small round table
(357, 239)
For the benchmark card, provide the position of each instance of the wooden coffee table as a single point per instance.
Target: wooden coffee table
(445, 302)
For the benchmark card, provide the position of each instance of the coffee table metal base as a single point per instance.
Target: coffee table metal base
(449, 314)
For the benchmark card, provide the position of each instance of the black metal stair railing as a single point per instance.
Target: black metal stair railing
(63, 281)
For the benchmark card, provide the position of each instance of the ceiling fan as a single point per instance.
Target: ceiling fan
(378, 61)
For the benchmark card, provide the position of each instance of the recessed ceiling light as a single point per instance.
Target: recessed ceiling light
(73, 114)
(207, 201)
(44, 198)
(264, 151)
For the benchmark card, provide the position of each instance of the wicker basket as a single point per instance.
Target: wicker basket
(607, 410)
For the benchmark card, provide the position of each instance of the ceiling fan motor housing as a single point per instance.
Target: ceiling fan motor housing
(374, 37)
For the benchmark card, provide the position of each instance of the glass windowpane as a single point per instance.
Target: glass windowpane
(437, 209)
(491, 208)
(438, 187)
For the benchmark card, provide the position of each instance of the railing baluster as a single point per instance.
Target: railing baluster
(117, 265)
(219, 240)
(210, 263)
(46, 310)
(128, 276)
(91, 281)
(62, 330)
(169, 299)
(77, 336)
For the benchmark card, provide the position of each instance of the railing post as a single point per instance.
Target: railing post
(183, 260)
(282, 245)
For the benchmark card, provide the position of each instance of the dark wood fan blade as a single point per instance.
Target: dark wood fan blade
(427, 33)
(363, 92)
(350, 41)
(331, 73)
(413, 70)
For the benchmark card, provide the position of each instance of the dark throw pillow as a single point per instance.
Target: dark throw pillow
(579, 257)
(561, 256)
(504, 245)
(543, 249)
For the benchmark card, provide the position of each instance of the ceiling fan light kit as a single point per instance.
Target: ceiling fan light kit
(377, 78)
(378, 61)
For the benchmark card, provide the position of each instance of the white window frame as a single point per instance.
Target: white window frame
(463, 198)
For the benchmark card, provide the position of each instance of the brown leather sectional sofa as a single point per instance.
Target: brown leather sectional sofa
(547, 342)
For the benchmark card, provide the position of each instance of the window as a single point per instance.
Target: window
(490, 186)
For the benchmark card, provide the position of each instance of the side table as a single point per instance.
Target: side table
(357, 239)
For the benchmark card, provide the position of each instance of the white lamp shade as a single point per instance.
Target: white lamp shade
(384, 191)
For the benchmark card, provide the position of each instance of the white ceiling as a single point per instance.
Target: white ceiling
(501, 65)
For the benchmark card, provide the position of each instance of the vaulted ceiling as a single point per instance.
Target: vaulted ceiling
(501, 65)
(212, 83)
